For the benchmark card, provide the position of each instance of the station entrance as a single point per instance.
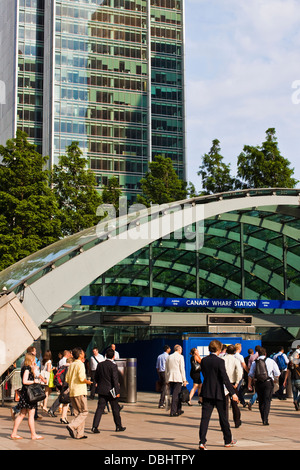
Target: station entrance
(239, 246)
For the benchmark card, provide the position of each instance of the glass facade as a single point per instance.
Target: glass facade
(30, 69)
(108, 74)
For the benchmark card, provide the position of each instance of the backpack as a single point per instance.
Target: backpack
(59, 377)
(261, 373)
(281, 362)
(184, 395)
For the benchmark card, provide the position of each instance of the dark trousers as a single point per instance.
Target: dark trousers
(163, 386)
(114, 403)
(235, 410)
(175, 389)
(281, 389)
(208, 405)
(93, 385)
(264, 395)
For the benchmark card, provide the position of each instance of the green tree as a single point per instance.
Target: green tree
(191, 190)
(214, 172)
(74, 187)
(29, 211)
(161, 183)
(264, 166)
(111, 193)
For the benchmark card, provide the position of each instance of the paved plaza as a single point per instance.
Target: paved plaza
(149, 428)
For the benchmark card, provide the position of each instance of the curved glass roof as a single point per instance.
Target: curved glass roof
(250, 253)
(246, 254)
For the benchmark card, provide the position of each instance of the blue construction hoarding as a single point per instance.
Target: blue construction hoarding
(146, 353)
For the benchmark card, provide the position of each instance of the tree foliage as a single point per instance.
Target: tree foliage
(161, 183)
(111, 193)
(29, 210)
(257, 167)
(74, 187)
(264, 166)
(216, 177)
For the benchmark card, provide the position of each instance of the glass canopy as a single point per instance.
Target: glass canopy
(252, 253)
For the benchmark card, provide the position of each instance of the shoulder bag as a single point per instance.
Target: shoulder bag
(35, 393)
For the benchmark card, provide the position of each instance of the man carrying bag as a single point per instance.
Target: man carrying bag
(108, 389)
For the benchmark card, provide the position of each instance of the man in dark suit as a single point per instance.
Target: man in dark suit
(213, 394)
(108, 389)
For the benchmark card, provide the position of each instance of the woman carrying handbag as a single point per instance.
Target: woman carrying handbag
(28, 378)
(195, 374)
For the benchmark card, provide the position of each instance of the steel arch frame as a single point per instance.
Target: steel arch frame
(47, 293)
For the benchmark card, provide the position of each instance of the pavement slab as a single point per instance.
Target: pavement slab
(150, 429)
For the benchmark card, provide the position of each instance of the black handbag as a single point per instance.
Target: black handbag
(196, 367)
(184, 395)
(64, 396)
(35, 393)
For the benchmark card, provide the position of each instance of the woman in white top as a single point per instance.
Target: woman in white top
(46, 368)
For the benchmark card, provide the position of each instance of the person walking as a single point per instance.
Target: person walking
(60, 385)
(252, 358)
(95, 359)
(235, 374)
(213, 394)
(195, 375)
(294, 371)
(161, 372)
(46, 368)
(62, 362)
(264, 382)
(76, 378)
(108, 389)
(282, 361)
(175, 377)
(28, 377)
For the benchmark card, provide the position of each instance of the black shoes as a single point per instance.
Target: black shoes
(177, 414)
(120, 429)
(95, 431)
(71, 432)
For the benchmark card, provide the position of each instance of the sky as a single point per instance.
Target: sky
(242, 77)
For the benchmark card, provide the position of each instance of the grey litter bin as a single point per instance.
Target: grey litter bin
(127, 378)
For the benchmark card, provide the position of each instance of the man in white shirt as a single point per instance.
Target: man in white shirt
(95, 359)
(264, 389)
(63, 360)
(117, 355)
(175, 377)
(240, 357)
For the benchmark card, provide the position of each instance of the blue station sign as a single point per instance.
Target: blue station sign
(167, 302)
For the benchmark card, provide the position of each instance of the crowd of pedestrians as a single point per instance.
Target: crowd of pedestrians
(227, 377)
(70, 379)
(221, 380)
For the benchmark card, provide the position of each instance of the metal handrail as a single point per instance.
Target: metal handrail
(14, 378)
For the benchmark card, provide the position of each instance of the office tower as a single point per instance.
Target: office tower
(106, 73)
